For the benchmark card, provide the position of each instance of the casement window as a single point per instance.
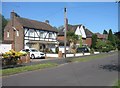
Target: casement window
(17, 33)
(8, 34)
(31, 33)
(50, 35)
(41, 34)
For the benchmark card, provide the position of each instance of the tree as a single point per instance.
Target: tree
(104, 46)
(94, 40)
(105, 32)
(55, 28)
(60, 27)
(4, 23)
(117, 38)
(80, 39)
(111, 37)
(72, 39)
(100, 44)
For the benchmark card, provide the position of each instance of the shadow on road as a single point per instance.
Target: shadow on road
(110, 67)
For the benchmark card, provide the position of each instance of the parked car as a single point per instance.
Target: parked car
(82, 50)
(34, 53)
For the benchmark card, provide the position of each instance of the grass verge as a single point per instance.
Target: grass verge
(11, 71)
(88, 58)
(117, 84)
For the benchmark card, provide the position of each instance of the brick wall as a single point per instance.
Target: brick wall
(60, 38)
(88, 41)
(19, 43)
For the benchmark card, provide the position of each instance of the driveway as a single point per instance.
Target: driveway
(97, 72)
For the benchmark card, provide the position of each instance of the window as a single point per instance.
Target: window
(8, 34)
(41, 34)
(50, 35)
(17, 32)
(31, 32)
(33, 50)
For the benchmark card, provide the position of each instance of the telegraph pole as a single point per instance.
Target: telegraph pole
(65, 26)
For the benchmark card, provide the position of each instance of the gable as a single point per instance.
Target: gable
(80, 31)
(83, 32)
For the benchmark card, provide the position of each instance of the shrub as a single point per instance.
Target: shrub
(92, 51)
(56, 50)
(11, 57)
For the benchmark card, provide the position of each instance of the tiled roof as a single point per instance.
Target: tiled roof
(101, 36)
(88, 33)
(73, 28)
(35, 24)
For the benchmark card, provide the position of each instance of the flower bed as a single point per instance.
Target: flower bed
(13, 58)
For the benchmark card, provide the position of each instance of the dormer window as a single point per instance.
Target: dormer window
(8, 34)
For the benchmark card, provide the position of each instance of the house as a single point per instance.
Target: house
(102, 36)
(27, 33)
(79, 30)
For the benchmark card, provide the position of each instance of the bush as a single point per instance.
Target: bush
(92, 51)
(47, 50)
(56, 50)
(11, 57)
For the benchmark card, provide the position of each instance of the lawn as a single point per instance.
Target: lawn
(117, 84)
(48, 65)
(88, 58)
(26, 68)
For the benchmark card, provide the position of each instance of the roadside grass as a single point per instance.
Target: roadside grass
(11, 71)
(88, 58)
(116, 84)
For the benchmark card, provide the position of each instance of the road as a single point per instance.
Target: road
(97, 72)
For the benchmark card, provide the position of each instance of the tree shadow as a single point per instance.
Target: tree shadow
(110, 67)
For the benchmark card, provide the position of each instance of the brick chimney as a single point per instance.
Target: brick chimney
(13, 15)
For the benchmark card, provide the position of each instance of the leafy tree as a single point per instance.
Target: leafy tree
(4, 23)
(111, 37)
(60, 27)
(94, 40)
(105, 32)
(100, 44)
(80, 39)
(55, 28)
(104, 46)
(72, 39)
(117, 42)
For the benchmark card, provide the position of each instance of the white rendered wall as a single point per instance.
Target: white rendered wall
(5, 47)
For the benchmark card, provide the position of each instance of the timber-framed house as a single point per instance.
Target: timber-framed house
(26, 33)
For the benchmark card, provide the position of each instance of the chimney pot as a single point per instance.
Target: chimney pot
(47, 21)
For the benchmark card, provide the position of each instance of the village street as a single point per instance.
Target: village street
(97, 72)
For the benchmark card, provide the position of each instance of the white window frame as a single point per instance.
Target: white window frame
(50, 35)
(17, 33)
(41, 34)
(31, 32)
(8, 34)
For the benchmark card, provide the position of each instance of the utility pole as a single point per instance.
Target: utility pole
(12, 18)
(65, 26)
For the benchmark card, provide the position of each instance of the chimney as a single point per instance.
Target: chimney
(13, 15)
(47, 21)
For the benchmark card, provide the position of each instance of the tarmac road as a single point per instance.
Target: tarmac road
(98, 72)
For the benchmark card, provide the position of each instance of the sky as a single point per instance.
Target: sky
(96, 16)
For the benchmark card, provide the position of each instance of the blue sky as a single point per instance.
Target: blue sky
(96, 16)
